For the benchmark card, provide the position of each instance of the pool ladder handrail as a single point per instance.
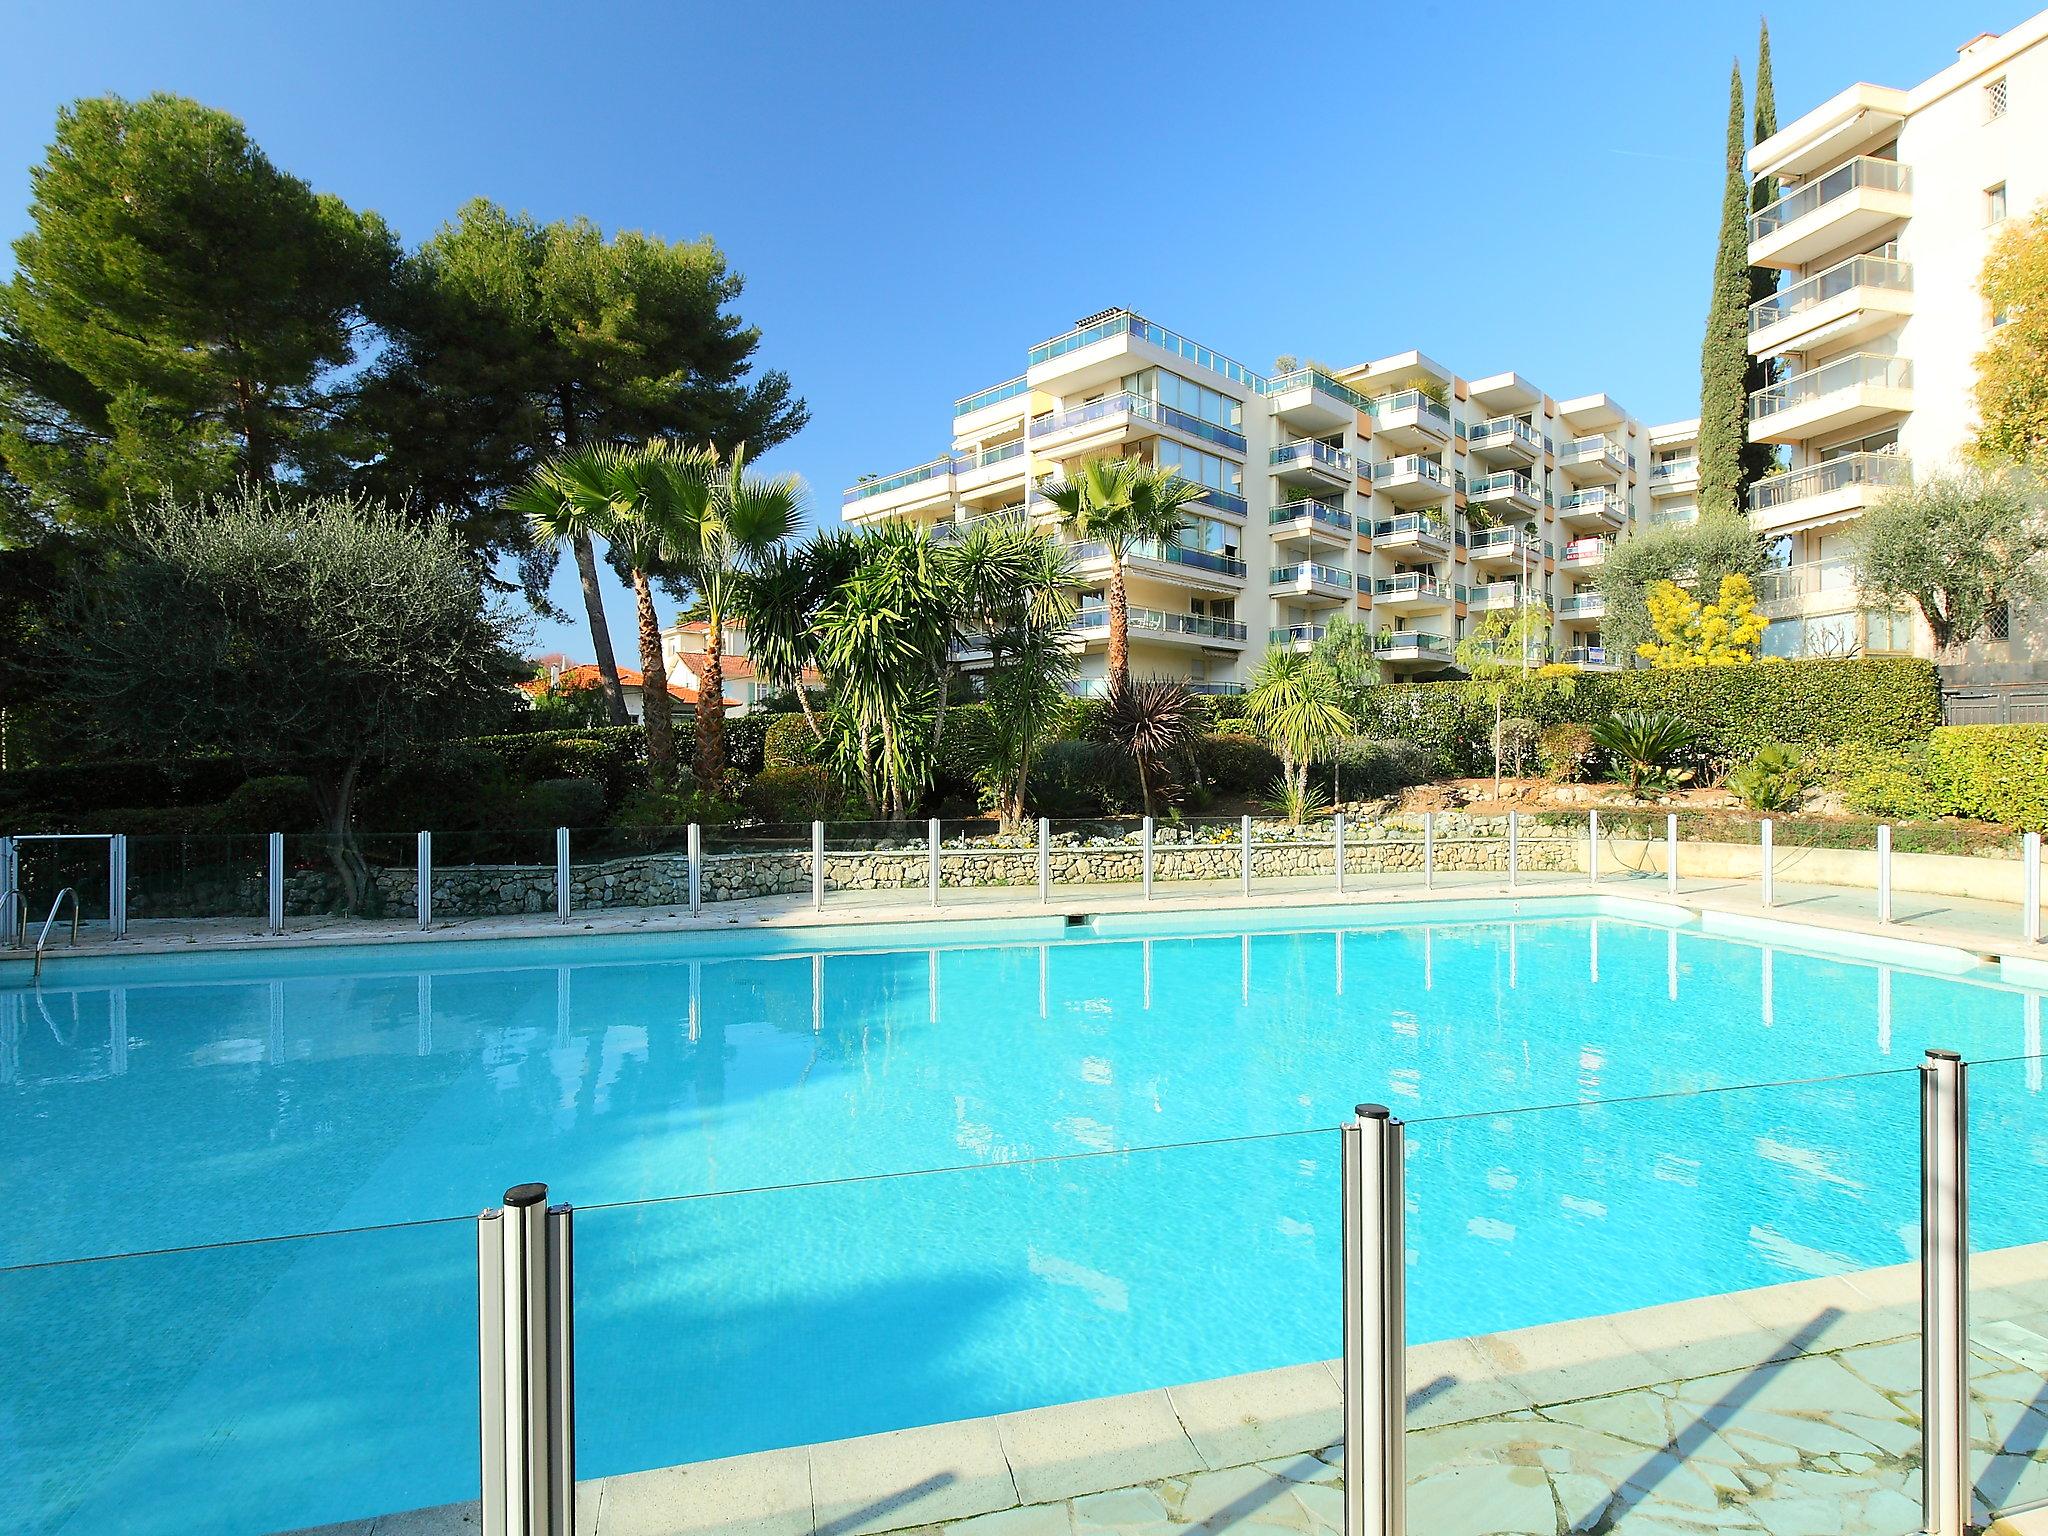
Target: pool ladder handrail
(50, 921)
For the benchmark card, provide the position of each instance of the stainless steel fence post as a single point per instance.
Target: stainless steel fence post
(695, 855)
(423, 880)
(1146, 858)
(1429, 850)
(2030, 882)
(1671, 852)
(1884, 872)
(1044, 860)
(817, 865)
(275, 883)
(13, 919)
(1337, 840)
(1245, 855)
(931, 837)
(1375, 1370)
(117, 885)
(1769, 836)
(562, 874)
(1592, 847)
(1944, 1294)
(526, 1348)
(1514, 848)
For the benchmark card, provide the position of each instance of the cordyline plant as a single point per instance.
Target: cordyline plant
(1154, 722)
(331, 636)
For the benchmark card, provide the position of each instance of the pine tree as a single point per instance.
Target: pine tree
(1760, 459)
(1724, 352)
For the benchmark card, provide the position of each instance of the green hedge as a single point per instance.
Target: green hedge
(1993, 773)
(1886, 703)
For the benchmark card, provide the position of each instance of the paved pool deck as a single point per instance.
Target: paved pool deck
(1792, 1410)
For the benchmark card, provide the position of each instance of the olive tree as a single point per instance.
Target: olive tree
(329, 636)
(1957, 547)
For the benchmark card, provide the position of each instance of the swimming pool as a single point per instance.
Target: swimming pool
(190, 1100)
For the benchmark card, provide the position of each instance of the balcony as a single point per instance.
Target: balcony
(1861, 387)
(976, 472)
(1850, 301)
(1409, 420)
(917, 489)
(1494, 595)
(1296, 637)
(1583, 554)
(1593, 658)
(1505, 490)
(998, 394)
(1307, 581)
(1585, 460)
(1582, 608)
(953, 532)
(1603, 510)
(1308, 519)
(1200, 569)
(1854, 200)
(1790, 586)
(1823, 493)
(1104, 347)
(1413, 481)
(1505, 440)
(1153, 623)
(1309, 462)
(1118, 418)
(1412, 533)
(1410, 646)
(1674, 477)
(1414, 592)
(1310, 402)
(1497, 547)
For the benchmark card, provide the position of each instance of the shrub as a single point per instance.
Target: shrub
(1993, 773)
(457, 788)
(745, 738)
(1643, 748)
(1773, 780)
(614, 756)
(1370, 770)
(1237, 725)
(789, 741)
(1233, 763)
(793, 792)
(74, 793)
(1892, 785)
(648, 807)
(276, 803)
(1518, 740)
(1296, 802)
(1567, 752)
(1083, 778)
(562, 803)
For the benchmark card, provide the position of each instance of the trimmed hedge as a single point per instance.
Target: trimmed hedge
(1879, 702)
(1236, 764)
(1993, 773)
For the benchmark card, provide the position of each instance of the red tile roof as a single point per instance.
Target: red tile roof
(585, 675)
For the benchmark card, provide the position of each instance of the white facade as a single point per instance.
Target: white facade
(1890, 200)
(1395, 492)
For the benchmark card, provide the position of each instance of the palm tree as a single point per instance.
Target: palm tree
(1122, 504)
(1298, 702)
(614, 493)
(719, 521)
(781, 598)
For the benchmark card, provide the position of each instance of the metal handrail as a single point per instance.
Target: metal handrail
(48, 922)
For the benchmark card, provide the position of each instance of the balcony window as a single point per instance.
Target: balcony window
(1188, 397)
(1994, 204)
(1206, 469)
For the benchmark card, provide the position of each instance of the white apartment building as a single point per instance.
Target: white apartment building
(1395, 492)
(1890, 201)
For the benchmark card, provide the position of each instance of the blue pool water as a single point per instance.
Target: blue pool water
(161, 1105)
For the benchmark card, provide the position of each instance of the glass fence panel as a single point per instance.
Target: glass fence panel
(494, 874)
(719, 1325)
(1698, 1310)
(257, 1387)
(368, 877)
(199, 878)
(767, 859)
(2008, 1151)
(47, 867)
(614, 866)
(1467, 849)
(1294, 856)
(1632, 848)
(978, 861)
(1551, 848)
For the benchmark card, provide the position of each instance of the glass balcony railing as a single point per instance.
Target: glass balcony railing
(1503, 541)
(1585, 551)
(1410, 526)
(1863, 171)
(1415, 584)
(1581, 450)
(1156, 621)
(880, 485)
(1504, 483)
(1316, 379)
(1600, 499)
(1879, 469)
(1226, 501)
(1586, 656)
(1295, 634)
(1170, 553)
(953, 532)
(1122, 322)
(1309, 571)
(1503, 430)
(1856, 272)
(1674, 469)
(1805, 580)
(1289, 513)
(1582, 605)
(1309, 451)
(987, 456)
(1856, 371)
(1138, 407)
(1414, 400)
(1496, 594)
(1412, 464)
(1412, 640)
(995, 394)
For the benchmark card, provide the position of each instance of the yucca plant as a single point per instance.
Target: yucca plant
(1643, 748)
(1154, 722)
(1296, 801)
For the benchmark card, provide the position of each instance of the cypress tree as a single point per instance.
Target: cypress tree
(1724, 352)
(1759, 459)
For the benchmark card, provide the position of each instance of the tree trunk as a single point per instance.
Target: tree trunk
(656, 712)
(711, 706)
(600, 631)
(1144, 782)
(335, 799)
(1119, 663)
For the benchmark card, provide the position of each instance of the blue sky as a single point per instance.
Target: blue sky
(916, 194)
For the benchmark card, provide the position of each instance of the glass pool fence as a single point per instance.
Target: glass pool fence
(1928, 878)
(1417, 1320)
